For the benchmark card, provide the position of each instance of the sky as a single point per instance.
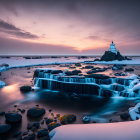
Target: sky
(67, 27)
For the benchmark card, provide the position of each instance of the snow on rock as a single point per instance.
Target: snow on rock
(2, 84)
(98, 131)
(135, 112)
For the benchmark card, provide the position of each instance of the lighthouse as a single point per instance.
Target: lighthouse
(113, 48)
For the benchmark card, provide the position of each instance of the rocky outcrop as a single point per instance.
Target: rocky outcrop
(110, 56)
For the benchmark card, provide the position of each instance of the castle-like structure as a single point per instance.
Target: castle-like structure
(113, 48)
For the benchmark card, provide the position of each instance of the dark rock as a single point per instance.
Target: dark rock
(117, 67)
(53, 125)
(118, 88)
(36, 125)
(45, 138)
(4, 128)
(13, 117)
(2, 113)
(96, 59)
(29, 137)
(35, 112)
(42, 133)
(106, 93)
(22, 110)
(29, 126)
(124, 116)
(48, 120)
(98, 76)
(110, 56)
(17, 133)
(68, 118)
(42, 122)
(25, 133)
(19, 137)
(78, 64)
(76, 72)
(68, 73)
(129, 69)
(25, 88)
(86, 119)
(56, 71)
(88, 67)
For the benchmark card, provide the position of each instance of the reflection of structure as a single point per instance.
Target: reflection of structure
(113, 48)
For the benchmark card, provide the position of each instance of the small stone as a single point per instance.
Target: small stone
(42, 122)
(4, 128)
(48, 120)
(42, 133)
(25, 133)
(17, 133)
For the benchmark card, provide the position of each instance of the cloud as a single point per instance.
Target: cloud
(14, 31)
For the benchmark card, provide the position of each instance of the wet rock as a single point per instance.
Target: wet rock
(98, 76)
(124, 116)
(29, 137)
(68, 73)
(78, 64)
(106, 93)
(110, 56)
(35, 112)
(76, 72)
(42, 133)
(86, 119)
(25, 133)
(29, 126)
(4, 128)
(19, 138)
(13, 117)
(53, 125)
(48, 120)
(68, 118)
(36, 125)
(129, 69)
(45, 138)
(17, 133)
(96, 59)
(118, 87)
(15, 105)
(25, 88)
(88, 67)
(50, 110)
(42, 122)
(22, 110)
(117, 67)
(56, 71)
(2, 113)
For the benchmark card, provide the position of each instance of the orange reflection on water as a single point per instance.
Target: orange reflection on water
(12, 92)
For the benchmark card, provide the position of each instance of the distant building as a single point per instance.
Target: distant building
(113, 48)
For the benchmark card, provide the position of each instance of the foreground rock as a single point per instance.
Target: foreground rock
(13, 117)
(35, 112)
(42, 132)
(53, 125)
(4, 128)
(25, 88)
(66, 119)
(98, 76)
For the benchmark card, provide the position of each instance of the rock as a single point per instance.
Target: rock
(25, 133)
(118, 87)
(88, 67)
(68, 118)
(36, 125)
(45, 138)
(29, 137)
(78, 64)
(98, 76)
(68, 73)
(96, 59)
(42, 133)
(124, 116)
(129, 69)
(29, 126)
(48, 120)
(13, 117)
(22, 110)
(2, 113)
(19, 137)
(25, 88)
(56, 71)
(4, 128)
(117, 67)
(53, 125)
(96, 70)
(17, 133)
(35, 112)
(76, 72)
(110, 56)
(86, 119)
(106, 93)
